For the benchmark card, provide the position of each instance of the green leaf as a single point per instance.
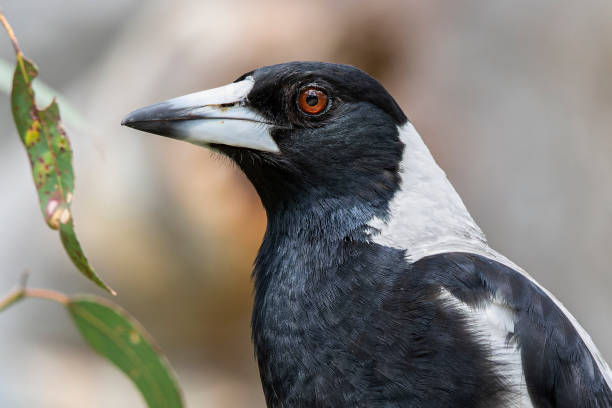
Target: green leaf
(74, 251)
(50, 155)
(121, 339)
(44, 95)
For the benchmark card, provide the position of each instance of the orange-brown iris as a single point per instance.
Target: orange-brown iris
(312, 101)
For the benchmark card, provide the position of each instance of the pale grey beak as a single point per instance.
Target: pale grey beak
(215, 116)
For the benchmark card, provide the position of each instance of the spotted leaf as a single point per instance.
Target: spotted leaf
(50, 155)
(118, 337)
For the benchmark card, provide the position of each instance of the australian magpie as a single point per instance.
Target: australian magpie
(374, 287)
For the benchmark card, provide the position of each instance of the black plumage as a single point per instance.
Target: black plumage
(343, 318)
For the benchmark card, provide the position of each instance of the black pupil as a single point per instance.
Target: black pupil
(312, 99)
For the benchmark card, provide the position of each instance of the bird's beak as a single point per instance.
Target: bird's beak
(215, 116)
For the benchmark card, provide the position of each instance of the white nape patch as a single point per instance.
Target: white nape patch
(427, 213)
(491, 324)
(427, 217)
(230, 93)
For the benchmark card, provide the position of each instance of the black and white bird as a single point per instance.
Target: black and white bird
(374, 285)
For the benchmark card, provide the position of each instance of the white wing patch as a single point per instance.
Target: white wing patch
(427, 217)
(492, 324)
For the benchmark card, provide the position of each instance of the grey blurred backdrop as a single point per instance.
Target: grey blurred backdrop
(514, 99)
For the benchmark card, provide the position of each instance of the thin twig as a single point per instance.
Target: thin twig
(46, 294)
(23, 279)
(11, 298)
(13, 38)
(23, 292)
(17, 294)
(11, 33)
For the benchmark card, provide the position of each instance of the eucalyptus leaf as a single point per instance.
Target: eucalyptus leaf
(44, 95)
(50, 155)
(120, 338)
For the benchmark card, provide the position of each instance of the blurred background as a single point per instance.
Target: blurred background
(514, 98)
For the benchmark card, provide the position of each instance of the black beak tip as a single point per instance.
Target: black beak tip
(150, 121)
(144, 116)
(128, 120)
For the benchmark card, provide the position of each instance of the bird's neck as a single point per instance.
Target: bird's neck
(308, 265)
(426, 215)
(307, 239)
(305, 244)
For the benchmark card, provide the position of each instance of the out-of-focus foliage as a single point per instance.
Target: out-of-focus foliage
(50, 155)
(43, 93)
(121, 339)
(117, 336)
(107, 329)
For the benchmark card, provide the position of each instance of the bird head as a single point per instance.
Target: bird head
(299, 131)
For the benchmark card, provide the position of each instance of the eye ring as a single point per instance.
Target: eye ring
(312, 101)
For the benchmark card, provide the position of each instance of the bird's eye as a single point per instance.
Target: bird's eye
(312, 101)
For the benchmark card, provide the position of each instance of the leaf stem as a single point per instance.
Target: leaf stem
(22, 293)
(13, 38)
(11, 34)
(46, 294)
(11, 298)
